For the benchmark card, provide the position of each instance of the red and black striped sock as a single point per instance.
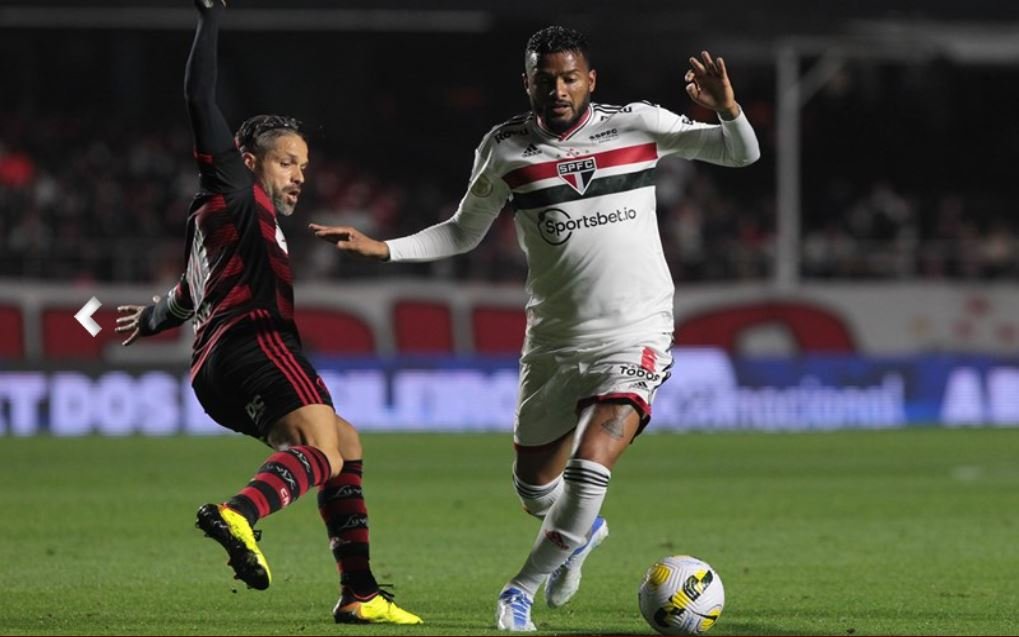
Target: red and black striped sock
(284, 477)
(341, 503)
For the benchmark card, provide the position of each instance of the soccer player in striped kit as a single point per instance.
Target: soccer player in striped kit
(247, 368)
(580, 179)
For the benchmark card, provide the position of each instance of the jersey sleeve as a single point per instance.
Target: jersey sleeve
(170, 311)
(486, 196)
(220, 166)
(728, 143)
(222, 172)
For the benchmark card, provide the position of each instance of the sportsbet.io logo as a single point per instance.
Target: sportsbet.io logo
(556, 226)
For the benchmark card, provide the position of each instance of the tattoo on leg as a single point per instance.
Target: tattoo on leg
(614, 427)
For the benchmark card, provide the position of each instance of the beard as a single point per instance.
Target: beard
(561, 126)
(279, 199)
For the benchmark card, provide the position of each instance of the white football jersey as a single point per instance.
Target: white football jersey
(585, 213)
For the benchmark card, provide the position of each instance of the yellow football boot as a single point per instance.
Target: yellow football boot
(380, 609)
(234, 534)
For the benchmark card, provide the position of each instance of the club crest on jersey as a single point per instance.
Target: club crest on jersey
(578, 173)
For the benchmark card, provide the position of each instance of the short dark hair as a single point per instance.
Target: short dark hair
(556, 39)
(257, 133)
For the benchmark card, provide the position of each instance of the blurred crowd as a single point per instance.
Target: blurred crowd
(91, 199)
(83, 203)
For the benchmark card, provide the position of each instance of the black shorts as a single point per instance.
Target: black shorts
(253, 377)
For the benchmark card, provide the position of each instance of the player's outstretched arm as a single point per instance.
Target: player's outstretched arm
(458, 234)
(732, 142)
(352, 240)
(162, 314)
(708, 85)
(211, 131)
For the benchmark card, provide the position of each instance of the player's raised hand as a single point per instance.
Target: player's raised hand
(708, 85)
(130, 321)
(350, 239)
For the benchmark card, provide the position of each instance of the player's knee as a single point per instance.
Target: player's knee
(594, 453)
(348, 440)
(313, 426)
(537, 499)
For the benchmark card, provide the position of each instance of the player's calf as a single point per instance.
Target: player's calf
(564, 582)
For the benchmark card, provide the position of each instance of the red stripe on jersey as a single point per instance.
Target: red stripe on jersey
(288, 356)
(648, 359)
(203, 158)
(271, 354)
(233, 267)
(221, 236)
(201, 353)
(214, 204)
(285, 307)
(238, 295)
(274, 347)
(617, 157)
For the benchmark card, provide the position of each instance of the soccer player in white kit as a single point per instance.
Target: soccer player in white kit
(580, 179)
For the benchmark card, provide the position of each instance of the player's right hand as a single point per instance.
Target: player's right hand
(350, 239)
(130, 322)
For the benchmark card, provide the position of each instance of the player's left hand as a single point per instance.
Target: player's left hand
(130, 321)
(708, 85)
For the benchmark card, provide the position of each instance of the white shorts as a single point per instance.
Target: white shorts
(556, 384)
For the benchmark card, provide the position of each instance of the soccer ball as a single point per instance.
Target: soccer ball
(681, 595)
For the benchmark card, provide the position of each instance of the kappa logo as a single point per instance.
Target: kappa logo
(304, 461)
(578, 173)
(285, 474)
(346, 492)
(352, 522)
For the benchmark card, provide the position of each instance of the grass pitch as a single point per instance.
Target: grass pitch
(897, 532)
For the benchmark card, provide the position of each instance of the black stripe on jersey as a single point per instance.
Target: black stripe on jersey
(598, 187)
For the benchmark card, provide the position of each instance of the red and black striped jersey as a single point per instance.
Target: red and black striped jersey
(236, 254)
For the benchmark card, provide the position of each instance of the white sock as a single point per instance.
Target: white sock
(537, 499)
(566, 524)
